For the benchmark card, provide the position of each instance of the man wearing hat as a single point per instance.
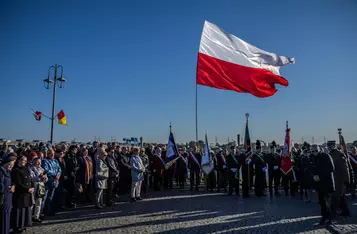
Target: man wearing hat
(233, 171)
(247, 171)
(273, 159)
(260, 170)
(323, 171)
(342, 178)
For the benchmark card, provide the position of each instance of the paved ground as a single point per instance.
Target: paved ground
(198, 212)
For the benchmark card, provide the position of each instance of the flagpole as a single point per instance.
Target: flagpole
(196, 117)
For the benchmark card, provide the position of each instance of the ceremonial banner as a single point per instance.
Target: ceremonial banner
(172, 153)
(207, 162)
(247, 143)
(227, 62)
(62, 119)
(344, 149)
(194, 159)
(286, 164)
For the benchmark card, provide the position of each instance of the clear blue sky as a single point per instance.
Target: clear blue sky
(131, 68)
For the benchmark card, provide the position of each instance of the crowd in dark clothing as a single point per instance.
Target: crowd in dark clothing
(34, 179)
(41, 180)
(330, 174)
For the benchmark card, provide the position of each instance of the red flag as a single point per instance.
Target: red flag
(37, 114)
(227, 62)
(286, 163)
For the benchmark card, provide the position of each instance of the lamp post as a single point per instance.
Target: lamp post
(47, 83)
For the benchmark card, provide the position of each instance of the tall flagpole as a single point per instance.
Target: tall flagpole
(196, 117)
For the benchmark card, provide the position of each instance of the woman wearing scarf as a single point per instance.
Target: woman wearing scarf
(6, 190)
(22, 198)
(137, 175)
(39, 178)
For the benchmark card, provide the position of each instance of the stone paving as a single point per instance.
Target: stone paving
(198, 212)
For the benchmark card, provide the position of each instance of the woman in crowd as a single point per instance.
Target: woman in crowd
(58, 197)
(102, 175)
(22, 198)
(87, 165)
(39, 178)
(6, 190)
(137, 175)
(72, 167)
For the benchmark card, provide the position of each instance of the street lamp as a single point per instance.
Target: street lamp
(47, 83)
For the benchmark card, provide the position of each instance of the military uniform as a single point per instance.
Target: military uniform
(342, 178)
(233, 173)
(260, 170)
(273, 159)
(247, 169)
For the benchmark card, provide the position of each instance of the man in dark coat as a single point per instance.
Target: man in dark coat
(124, 171)
(342, 178)
(274, 160)
(221, 168)
(323, 168)
(72, 167)
(181, 170)
(113, 175)
(307, 173)
(260, 170)
(194, 164)
(233, 171)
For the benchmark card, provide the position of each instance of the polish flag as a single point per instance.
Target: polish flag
(229, 63)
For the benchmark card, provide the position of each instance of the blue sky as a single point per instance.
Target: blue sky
(131, 68)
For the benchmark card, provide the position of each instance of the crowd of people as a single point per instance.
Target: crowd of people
(34, 178)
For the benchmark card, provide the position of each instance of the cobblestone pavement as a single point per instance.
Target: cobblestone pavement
(198, 212)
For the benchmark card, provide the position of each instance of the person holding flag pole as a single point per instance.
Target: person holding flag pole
(245, 161)
(207, 166)
(286, 165)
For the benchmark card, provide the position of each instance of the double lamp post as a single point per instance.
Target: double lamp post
(56, 82)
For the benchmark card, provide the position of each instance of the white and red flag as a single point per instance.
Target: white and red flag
(227, 62)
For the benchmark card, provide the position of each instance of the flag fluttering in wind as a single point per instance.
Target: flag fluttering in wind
(37, 114)
(62, 118)
(286, 163)
(207, 162)
(227, 62)
(344, 148)
(171, 153)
